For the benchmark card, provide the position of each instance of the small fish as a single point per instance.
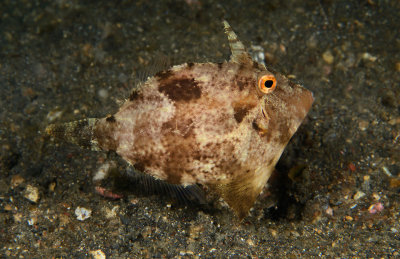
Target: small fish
(223, 125)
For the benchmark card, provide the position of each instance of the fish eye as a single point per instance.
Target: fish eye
(267, 84)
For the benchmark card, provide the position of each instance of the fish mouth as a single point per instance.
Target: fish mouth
(307, 100)
(301, 103)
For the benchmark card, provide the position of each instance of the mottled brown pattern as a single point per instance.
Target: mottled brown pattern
(203, 123)
(134, 96)
(163, 75)
(240, 112)
(180, 89)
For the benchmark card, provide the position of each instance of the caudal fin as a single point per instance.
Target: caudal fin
(76, 132)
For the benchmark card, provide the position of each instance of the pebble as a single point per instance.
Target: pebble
(32, 193)
(16, 180)
(386, 171)
(82, 213)
(348, 218)
(102, 172)
(53, 115)
(398, 66)
(358, 195)
(257, 53)
(8, 207)
(111, 213)
(97, 254)
(374, 208)
(327, 56)
(376, 196)
(32, 221)
(363, 125)
(394, 183)
(394, 121)
(250, 242)
(103, 93)
(369, 57)
(329, 211)
(187, 252)
(17, 217)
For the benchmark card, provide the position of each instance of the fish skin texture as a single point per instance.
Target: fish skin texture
(202, 123)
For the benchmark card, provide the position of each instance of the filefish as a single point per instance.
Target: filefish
(220, 125)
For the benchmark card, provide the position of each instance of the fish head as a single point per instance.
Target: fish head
(283, 106)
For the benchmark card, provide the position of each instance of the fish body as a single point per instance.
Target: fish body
(223, 125)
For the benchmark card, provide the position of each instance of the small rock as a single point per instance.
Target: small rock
(82, 213)
(376, 196)
(348, 218)
(374, 208)
(32, 193)
(187, 252)
(8, 207)
(17, 217)
(363, 125)
(103, 93)
(250, 242)
(353, 206)
(111, 213)
(394, 121)
(358, 195)
(102, 172)
(32, 221)
(97, 254)
(394, 183)
(398, 66)
(369, 57)
(53, 115)
(329, 211)
(386, 171)
(16, 180)
(328, 57)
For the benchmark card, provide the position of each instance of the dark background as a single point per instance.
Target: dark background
(336, 189)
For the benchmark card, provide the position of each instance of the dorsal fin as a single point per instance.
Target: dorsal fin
(239, 53)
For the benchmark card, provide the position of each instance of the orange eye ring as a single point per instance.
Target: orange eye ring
(267, 84)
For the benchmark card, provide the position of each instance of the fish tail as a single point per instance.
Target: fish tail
(76, 132)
